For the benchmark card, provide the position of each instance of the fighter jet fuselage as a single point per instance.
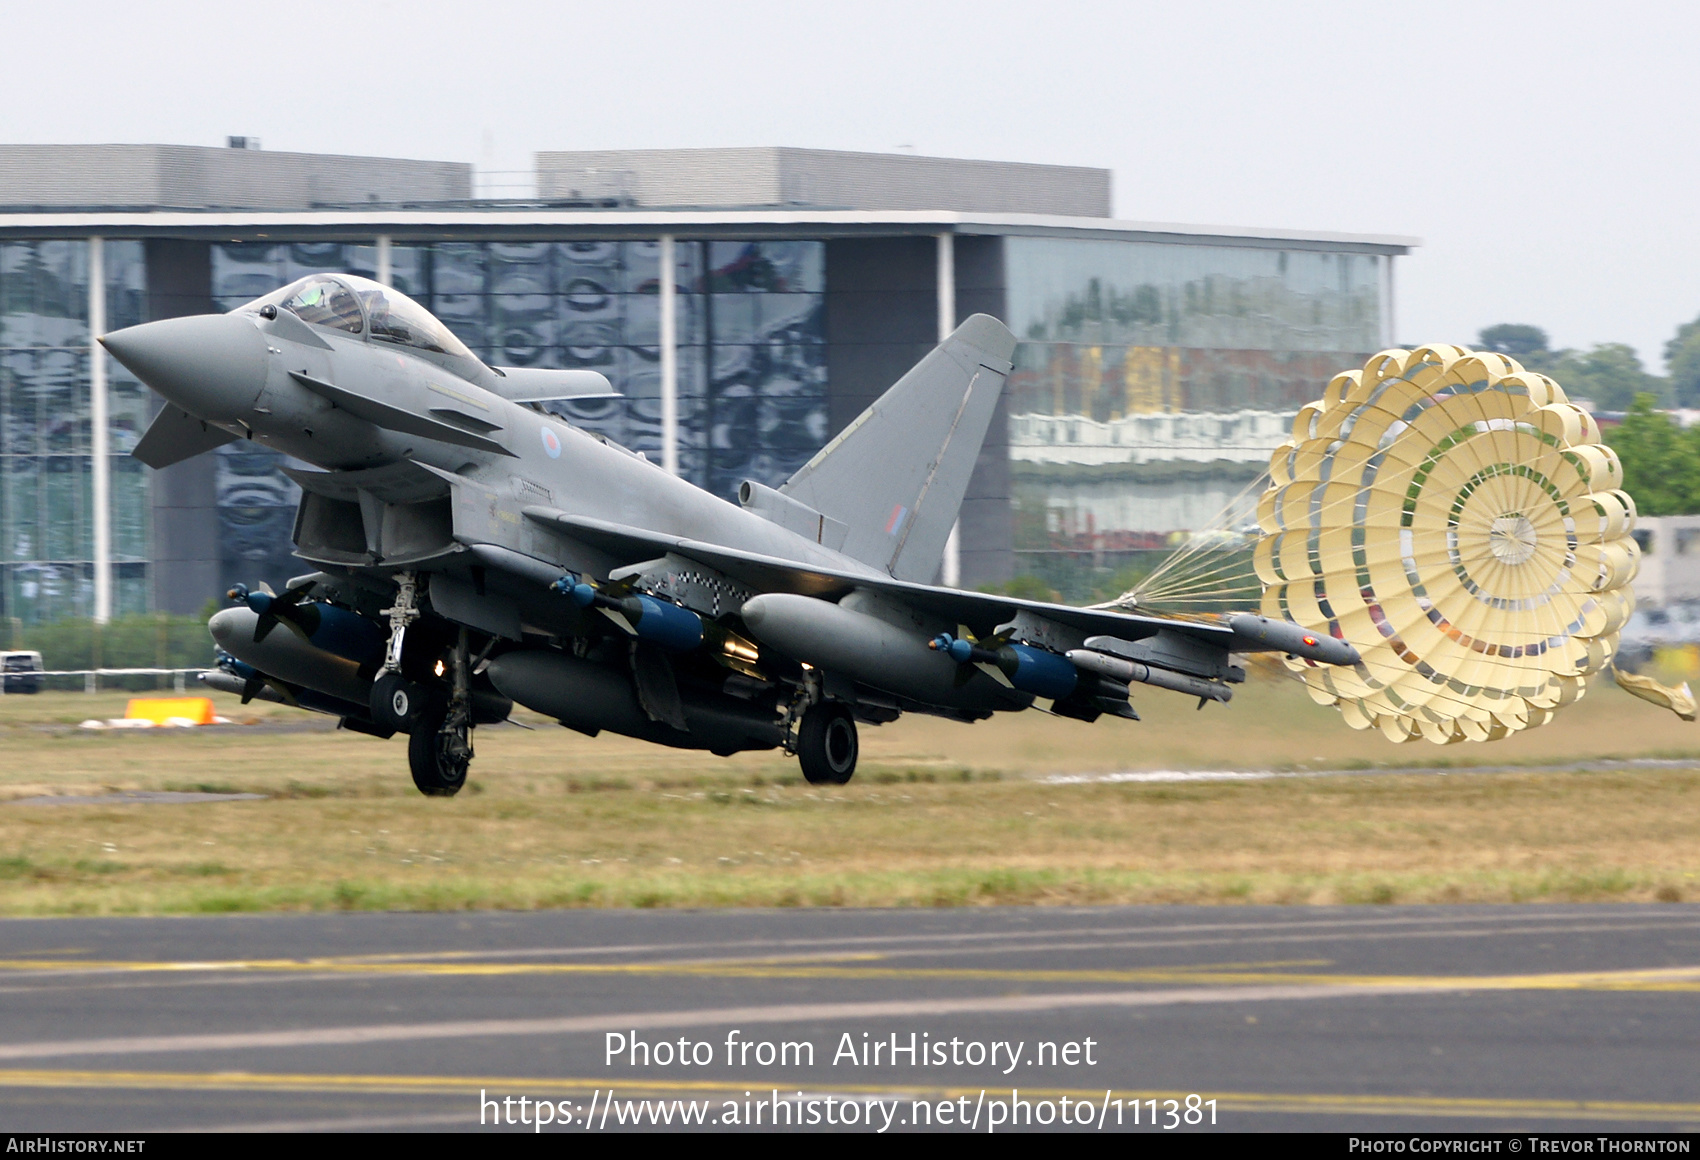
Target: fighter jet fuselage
(474, 550)
(300, 392)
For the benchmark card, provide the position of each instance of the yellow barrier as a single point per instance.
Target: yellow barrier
(198, 710)
(1681, 659)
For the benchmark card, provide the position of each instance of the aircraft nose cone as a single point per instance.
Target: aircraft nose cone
(211, 365)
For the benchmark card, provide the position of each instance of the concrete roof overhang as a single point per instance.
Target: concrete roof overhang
(530, 222)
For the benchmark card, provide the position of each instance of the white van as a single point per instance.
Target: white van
(20, 672)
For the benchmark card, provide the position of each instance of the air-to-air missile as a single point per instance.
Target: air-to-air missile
(1126, 671)
(473, 550)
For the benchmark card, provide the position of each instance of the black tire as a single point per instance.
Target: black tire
(827, 745)
(397, 703)
(435, 772)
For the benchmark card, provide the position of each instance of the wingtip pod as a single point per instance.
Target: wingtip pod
(1456, 519)
(1287, 637)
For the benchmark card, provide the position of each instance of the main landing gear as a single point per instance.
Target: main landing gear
(439, 754)
(827, 744)
(439, 749)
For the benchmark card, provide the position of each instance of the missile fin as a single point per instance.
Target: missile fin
(620, 619)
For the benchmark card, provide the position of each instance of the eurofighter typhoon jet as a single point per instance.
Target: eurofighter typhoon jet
(473, 550)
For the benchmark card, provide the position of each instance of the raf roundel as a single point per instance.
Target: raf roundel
(551, 443)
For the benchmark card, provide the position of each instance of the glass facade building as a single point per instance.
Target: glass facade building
(1157, 365)
(1153, 380)
(46, 465)
(1154, 372)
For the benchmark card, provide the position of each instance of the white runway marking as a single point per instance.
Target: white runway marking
(1167, 775)
(651, 1020)
(1496, 923)
(135, 798)
(1172, 775)
(811, 1013)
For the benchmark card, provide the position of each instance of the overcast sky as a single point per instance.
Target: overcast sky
(1548, 154)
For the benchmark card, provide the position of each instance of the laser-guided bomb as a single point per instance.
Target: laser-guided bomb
(668, 625)
(324, 658)
(296, 659)
(471, 550)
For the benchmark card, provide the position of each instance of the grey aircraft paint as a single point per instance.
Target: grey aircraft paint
(508, 556)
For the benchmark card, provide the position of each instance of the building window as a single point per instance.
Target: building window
(1150, 386)
(46, 495)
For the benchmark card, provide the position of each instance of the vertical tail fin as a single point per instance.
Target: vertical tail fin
(896, 476)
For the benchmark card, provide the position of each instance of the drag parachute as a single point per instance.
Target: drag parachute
(1455, 518)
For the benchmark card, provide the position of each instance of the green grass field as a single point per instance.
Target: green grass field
(939, 814)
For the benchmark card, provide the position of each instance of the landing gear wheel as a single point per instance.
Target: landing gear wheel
(397, 703)
(827, 745)
(438, 760)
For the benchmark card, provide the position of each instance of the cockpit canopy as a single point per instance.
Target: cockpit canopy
(359, 305)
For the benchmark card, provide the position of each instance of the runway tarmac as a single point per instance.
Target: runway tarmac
(1572, 1018)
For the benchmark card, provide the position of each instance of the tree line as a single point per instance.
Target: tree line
(142, 641)
(1609, 375)
(1661, 458)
